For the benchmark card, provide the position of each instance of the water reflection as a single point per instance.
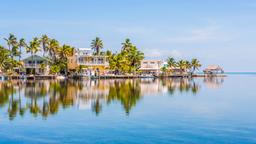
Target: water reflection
(213, 82)
(45, 98)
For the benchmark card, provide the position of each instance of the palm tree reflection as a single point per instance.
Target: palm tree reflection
(126, 92)
(97, 106)
(45, 98)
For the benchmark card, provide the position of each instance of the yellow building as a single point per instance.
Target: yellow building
(88, 63)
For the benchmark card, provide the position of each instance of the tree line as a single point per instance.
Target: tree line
(56, 53)
(184, 66)
(127, 60)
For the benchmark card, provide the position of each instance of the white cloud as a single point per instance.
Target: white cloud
(162, 53)
(207, 33)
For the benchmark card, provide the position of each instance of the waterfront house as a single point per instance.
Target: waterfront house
(36, 65)
(152, 67)
(89, 63)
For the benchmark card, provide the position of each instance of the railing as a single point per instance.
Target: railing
(147, 66)
(32, 65)
(93, 63)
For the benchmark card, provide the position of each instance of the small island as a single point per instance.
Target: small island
(47, 58)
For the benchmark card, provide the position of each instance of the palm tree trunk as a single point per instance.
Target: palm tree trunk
(19, 60)
(98, 50)
(9, 47)
(33, 66)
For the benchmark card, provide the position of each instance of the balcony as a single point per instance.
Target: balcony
(32, 65)
(94, 63)
(150, 66)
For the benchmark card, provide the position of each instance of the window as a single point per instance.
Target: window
(39, 62)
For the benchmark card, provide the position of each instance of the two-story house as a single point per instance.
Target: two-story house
(91, 64)
(36, 65)
(151, 67)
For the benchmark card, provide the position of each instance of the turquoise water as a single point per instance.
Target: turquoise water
(217, 110)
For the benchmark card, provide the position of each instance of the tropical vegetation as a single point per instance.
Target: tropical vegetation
(55, 53)
(126, 61)
(182, 66)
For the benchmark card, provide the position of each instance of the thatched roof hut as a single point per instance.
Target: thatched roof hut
(213, 69)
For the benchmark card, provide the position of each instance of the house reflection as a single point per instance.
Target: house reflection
(213, 82)
(45, 98)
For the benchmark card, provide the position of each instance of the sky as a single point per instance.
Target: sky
(219, 32)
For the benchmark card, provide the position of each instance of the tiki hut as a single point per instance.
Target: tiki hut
(213, 69)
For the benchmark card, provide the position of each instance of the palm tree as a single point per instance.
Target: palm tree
(134, 58)
(4, 58)
(187, 65)
(180, 65)
(45, 43)
(53, 48)
(22, 43)
(33, 48)
(195, 64)
(97, 44)
(11, 41)
(126, 45)
(64, 52)
(171, 63)
(13, 47)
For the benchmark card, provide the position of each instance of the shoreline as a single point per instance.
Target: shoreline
(53, 77)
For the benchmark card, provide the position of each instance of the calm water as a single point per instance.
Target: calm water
(218, 110)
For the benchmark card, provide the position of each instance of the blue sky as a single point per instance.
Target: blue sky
(214, 31)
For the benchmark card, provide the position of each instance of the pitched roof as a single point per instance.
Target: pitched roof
(36, 58)
(84, 49)
(213, 67)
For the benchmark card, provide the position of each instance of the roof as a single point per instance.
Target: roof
(84, 49)
(93, 56)
(213, 67)
(151, 60)
(36, 58)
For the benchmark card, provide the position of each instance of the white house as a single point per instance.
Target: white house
(151, 66)
(36, 65)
